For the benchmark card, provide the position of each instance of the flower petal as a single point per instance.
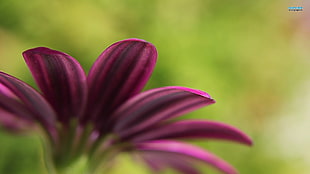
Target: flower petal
(153, 106)
(10, 122)
(187, 150)
(61, 79)
(8, 119)
(14, 115)
(194, 129)
(5, 91)
(12, 89)
(120, 72)
(159, 161)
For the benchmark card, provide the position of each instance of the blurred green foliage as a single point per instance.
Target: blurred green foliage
(248, 55)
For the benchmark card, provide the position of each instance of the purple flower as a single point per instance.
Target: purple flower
(105, 112)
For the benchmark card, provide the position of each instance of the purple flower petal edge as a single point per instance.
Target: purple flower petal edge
(155, 105)
(10, 109)
(35, 103)
(187, 150)
(194, 129)
(158, 161)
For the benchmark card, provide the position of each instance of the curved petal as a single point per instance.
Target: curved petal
(153, 106)
(5, 91)
(187, 150)
(14, 115)
(14, 124)
(194, 129)
(14, 89)
(120, 72)
(159, 161)
(61, 79)
(8, 118)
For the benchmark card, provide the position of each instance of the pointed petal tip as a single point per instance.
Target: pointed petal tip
(244, 138)
(247, 140)
(195, 129)
(250, 142)
(194, 91)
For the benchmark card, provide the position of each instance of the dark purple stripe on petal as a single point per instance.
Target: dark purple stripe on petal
(194, 129)
(61, 79)
(120, 72)
(5, 91)
(156, 105)
(194, 152)
(14, 115)
(13, 88)
(15, 108)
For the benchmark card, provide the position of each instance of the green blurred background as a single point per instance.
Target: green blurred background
(251, 56)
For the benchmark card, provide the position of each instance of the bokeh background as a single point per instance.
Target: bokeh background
(251, 56)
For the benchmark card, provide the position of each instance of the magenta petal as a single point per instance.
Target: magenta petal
(8, 120)
(14, 123)
(5, 91)
(12, 89)
(120, 72)
(194, 129)
(61, 79)
(159, 161)
(187, 150)
(12, 110)
(153, 106)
